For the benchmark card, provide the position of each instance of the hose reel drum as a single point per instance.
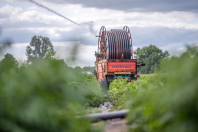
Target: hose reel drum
(115, 44)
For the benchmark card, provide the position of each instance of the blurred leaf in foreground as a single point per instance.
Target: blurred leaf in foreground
(44, 97)
(169, 102)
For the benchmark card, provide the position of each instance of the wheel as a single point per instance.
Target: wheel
(104, 84)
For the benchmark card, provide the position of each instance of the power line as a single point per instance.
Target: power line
(40, 5)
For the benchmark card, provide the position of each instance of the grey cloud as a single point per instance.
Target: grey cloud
(3, 16)
(136, 5)
(34, 24)
(159, 36)
(24, 35)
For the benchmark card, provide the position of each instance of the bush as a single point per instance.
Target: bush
(44, 97)
(168, 102)
(92, 90)
(119, 90)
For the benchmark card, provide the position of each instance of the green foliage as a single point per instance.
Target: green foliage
(88, 68)
(46, 97)
(60, 62)
(119, 90)
(78, 68)
(168, 102)
(151, 56)
(8, 63)
(84, 69)
(40, 48)
(94, 95)
(44, 94)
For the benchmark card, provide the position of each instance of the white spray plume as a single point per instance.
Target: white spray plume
(89, 24)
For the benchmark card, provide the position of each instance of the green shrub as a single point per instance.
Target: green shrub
(168, 102)
(119, 90)
(94, 95)
(45, 97)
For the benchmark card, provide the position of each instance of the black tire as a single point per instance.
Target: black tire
(104, 84)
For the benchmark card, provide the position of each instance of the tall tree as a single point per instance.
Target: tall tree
(40, 48)
(8, 63)
(151, 56)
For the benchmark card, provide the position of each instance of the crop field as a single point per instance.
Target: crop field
(98, 66)
(50, 96)
(165, 101)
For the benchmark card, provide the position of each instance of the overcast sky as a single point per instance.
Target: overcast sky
(168, 24)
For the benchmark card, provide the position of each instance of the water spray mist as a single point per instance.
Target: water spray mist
(89, 24)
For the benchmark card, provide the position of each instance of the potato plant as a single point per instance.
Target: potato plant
(168, 102)
(46, 97)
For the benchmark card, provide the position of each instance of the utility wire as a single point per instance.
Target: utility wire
(40, 5)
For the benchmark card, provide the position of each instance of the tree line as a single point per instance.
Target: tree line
(40, 48)
(151, 56)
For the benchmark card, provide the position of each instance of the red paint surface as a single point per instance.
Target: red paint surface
(99, 72)
(99, 76)
(121, 66)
